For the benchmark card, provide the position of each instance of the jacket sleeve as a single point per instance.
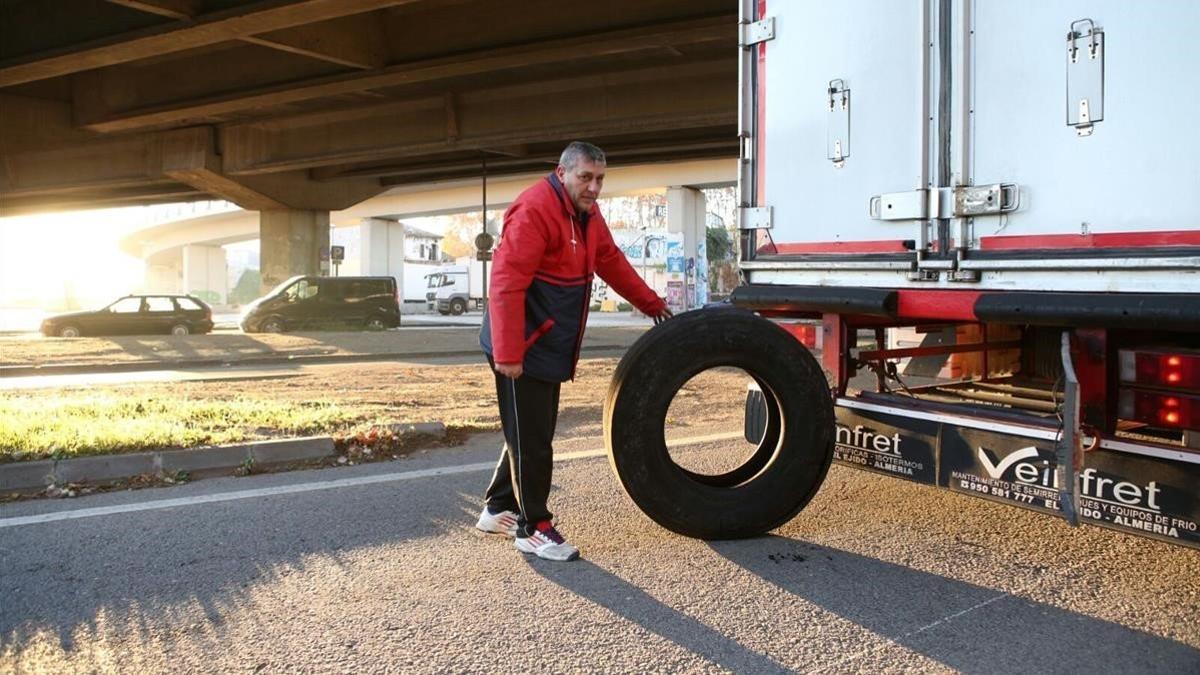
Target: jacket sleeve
(522, 244)
(614, 268)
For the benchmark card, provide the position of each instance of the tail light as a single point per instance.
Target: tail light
(1174, 411)
(1160, 388)
(808, 334)
(1173, 370)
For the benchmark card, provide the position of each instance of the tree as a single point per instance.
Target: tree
(247, 287)
(458, 239)
(719, 243)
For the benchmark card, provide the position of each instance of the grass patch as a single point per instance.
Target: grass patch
(42, 427)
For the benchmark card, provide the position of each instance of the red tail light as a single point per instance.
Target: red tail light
(1176, 411)
(1158, 368)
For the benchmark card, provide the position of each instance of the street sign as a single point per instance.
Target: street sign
(484, 241)
(337, 253)
(483, 255)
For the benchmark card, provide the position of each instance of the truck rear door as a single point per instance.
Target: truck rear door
(971, 144)
(843, 91)
(1087, 107)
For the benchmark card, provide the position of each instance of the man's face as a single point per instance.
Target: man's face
(583, 183)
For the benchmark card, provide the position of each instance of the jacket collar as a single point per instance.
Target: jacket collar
(561, 192)
(568, 205)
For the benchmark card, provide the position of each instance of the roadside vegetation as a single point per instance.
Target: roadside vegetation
(354, 403)
(40, 427)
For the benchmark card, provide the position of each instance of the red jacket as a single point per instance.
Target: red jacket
(541, 282)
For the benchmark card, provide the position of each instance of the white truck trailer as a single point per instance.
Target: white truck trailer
(453, 289)
(1022, 175)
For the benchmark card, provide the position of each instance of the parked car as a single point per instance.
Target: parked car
(314, 303)
(135, 315)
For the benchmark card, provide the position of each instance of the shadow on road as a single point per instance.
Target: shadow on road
(967, 627)
(135, 574)
(636, 606)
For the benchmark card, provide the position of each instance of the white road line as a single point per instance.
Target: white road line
(309, 487)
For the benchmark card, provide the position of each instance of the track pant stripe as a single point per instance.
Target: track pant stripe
(517, 488)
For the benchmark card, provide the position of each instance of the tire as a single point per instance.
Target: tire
(458, 306)
(180, 329)
(776, 482)
(375, 323)
(69, 331)
(272, 324)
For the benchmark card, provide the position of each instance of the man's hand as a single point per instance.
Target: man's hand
(512, 370)
(663, 316)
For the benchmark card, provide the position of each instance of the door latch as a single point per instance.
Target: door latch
(837, 143)
(965, 201)
(1085, 76)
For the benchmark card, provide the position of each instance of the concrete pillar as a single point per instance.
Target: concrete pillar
(291, 241)
(163, 277)
(383, 250)
(205, 273)
(686, 216)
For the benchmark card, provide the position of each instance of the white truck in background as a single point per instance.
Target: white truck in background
(454, 289)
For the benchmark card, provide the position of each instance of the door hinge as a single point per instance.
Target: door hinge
(754, 218)
(966, 201)
(759, 31)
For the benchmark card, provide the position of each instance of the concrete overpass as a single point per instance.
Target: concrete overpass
(297, 109)
(189, 249)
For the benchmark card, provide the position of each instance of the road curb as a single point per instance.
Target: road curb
(32, 476)
(138, 366)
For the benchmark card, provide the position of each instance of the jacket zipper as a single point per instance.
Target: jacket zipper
(587, 298)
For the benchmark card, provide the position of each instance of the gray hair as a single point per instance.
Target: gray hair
(578, 150)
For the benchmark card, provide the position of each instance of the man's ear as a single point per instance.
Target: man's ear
(560, 172)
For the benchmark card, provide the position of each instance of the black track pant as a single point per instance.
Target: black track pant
(528, 415)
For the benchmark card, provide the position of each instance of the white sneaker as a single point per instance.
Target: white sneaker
(548, 544)
(504, 523)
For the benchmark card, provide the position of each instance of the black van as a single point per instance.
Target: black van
(315, 303)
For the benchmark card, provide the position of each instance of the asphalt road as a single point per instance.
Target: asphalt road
(377, 568)
(251, 372)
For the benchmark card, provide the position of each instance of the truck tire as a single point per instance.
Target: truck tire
(776, 482)
(458, 306)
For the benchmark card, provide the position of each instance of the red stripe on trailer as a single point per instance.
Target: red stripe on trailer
(1101, 240)
(878, 246)
(922, 304)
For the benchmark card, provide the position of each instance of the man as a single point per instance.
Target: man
(554, 241)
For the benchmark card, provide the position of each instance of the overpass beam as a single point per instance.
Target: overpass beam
(290, 242)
